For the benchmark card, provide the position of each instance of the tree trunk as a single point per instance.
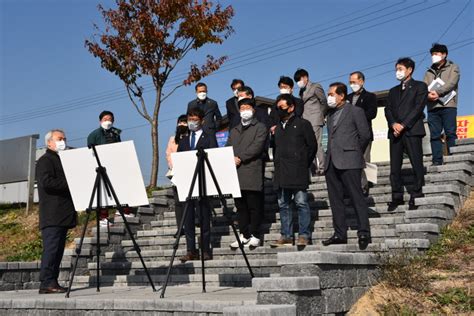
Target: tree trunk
(155, 162)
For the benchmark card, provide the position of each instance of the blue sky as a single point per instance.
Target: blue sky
(49, 80)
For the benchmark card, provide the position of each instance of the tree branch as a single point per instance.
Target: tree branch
(171, 92)
(143, 114)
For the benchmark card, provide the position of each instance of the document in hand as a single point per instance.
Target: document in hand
(371, 172)
(438, 83)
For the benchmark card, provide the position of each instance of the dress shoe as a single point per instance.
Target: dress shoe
(411, 205)
(394, 204)
(191, 255)
(334, 240)
(207, 256)
(52, 290)
(364, 241)
(302, 241)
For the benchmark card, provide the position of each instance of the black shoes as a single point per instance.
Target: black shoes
(334, 240)
(394, 204)
(364, 241)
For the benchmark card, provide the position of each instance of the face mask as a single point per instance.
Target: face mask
(193, 125)
(355, 87)
(301, 84)
(60, 145)
(285, 91)
(332, 101)
(106, 124)
(202, 96)
(436, 59)
(246, 115)
(400, 74)
(236, 93)
(283, 114)
(181, 129)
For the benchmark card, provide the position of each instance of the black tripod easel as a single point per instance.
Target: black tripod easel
(103, 179)
(200, 172)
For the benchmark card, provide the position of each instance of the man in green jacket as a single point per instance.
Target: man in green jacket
(106, 133)
(442, 79)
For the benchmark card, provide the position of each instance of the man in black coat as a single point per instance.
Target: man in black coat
(285, 84)
(197, 139)
(212, 114)
(232, 107)
(56, 211)
(295, 149)
(348, 136)
(404, 113)
(368, 102)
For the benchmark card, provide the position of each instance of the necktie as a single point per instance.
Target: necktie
(193, 140)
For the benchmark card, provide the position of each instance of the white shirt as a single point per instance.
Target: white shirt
(197, 137)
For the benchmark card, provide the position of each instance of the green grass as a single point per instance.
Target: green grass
(458, 297)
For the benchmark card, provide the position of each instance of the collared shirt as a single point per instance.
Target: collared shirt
(196, 139)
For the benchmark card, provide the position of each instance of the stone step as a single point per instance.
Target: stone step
(464, 141)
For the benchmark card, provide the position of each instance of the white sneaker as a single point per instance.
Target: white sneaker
(243, 240)
(103, 222)
(126, 215)
(253, 242)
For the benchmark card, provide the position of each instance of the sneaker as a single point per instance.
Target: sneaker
(243, 240)
(104, 222)
(282, 242)
(253, 242)
(117, 213)
(302, 241)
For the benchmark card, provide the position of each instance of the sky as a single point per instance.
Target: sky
(48, 79)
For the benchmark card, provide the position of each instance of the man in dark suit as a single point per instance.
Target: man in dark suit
(212, 114)
(368, 102)
(233, 111)
(197, 139)
(348, 136)
(404, 113)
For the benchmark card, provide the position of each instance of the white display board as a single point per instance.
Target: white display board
(121, 163)
(222, 163)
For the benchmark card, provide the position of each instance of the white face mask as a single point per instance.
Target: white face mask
(355, 87)
(202, 96)
(332, 101)
(246, 115)
(300, 84)
(193, 125)
(285, 91)
(400, 74)
(436, 59)
(236, 93)
(106, 124)
(60, 145)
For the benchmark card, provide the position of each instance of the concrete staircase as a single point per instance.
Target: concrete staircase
(309, 281)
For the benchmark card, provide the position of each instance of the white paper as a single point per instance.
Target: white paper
(121, 163)
(223, 165)
(371, 172)
(438, 83)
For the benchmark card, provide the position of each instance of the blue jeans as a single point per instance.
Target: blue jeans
(286, 215)
(438, 120)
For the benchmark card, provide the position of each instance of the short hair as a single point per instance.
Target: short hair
(439, 48)
(195, 112)
(341, 88)
(247, 101)
(407, 62)
(286, 80)
(359, 74)
(200, 84)
(49, 135)
(182, 118)
(300, 73)
(247, 90)
(237, 81)
(288, 98)
(104, 113)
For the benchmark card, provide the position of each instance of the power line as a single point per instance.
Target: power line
(39, 113)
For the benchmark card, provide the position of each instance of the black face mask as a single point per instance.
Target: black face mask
(283, 113)
(181, 130)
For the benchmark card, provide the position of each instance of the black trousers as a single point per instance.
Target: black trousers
(178, 207)
(54, 241)
(190, 227)
(249, 211)
(339, 181)
(413, 147)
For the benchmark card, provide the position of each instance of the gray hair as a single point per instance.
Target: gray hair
(49, 135)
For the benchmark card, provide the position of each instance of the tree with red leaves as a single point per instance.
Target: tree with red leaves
(148, 38)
